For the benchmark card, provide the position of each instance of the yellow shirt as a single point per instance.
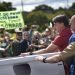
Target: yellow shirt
(68, 52)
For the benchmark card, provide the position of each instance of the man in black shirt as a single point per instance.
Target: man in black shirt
(20, 45)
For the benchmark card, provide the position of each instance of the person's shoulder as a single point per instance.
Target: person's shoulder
(66, 32)
(73, 44)
(24, 42)
(15, 41)
(72, 36)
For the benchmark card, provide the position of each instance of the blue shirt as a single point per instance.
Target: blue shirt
(72, 38)
(72, 62)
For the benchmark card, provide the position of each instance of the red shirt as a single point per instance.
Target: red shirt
(62, 39)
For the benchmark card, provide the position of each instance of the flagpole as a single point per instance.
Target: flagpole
(67, 4)
(22, 5)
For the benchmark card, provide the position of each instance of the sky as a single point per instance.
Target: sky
(29, 5)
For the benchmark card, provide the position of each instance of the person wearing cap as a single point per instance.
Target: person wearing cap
(48, 38)
(20, 45)
(18, 34)
(16, 42)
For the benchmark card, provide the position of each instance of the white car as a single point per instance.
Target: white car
(27, 66)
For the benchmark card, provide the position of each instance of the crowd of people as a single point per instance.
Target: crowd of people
(30, 42)
(23, 40)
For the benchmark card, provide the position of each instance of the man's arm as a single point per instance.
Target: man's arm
(52, 59)
(50, 48)
(68, 52)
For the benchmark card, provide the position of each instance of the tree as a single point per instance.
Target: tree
(44, 8)
(4, 6)
(73, 6)
(37, 18)
(60, 8)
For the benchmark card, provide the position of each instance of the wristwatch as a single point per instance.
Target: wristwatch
(44, 60)
(31, 53)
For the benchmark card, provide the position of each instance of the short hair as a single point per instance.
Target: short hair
(61, 19)
(72, 18)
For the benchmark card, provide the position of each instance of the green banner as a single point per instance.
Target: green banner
(11, 20)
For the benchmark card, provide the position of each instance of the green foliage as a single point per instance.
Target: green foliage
(4, 6)
(37, 18)
(44, 8)
(43, 14)
(73, 6)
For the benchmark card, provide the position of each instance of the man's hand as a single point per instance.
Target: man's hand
(24, 54)
(39, 58)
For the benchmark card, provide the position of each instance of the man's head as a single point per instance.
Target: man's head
(72, 23)
(48, 31)
(60, 22)
(25, 35)
(18, 34)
